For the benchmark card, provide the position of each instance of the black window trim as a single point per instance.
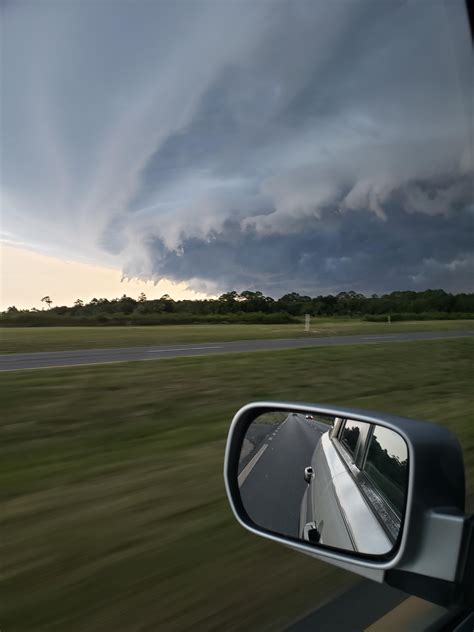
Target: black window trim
(360, 451)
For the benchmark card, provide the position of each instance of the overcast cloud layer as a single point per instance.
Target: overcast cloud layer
(308, 146)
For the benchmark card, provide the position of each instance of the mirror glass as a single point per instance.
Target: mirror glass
(325, 480)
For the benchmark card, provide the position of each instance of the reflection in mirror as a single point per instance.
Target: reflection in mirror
(325, 480)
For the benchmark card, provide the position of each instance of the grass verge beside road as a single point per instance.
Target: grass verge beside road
(115, 516)
(33, 339)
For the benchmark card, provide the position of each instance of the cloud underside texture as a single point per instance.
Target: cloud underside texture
(278, 146)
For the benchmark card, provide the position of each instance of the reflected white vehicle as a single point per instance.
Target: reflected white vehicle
(356, 488)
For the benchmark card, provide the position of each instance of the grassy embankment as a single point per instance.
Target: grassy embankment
(115, 516)
(31, 339)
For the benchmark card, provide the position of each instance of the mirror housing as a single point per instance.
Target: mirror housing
(431, 556)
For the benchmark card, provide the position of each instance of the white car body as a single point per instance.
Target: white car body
(340, 511)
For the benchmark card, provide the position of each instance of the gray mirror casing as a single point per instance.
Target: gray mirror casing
(430, 559)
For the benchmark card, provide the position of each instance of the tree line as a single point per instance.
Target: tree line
(246, 307)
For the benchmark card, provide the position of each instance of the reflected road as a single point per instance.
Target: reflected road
(273, 489)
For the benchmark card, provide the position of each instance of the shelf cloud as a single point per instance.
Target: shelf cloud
(306, 146)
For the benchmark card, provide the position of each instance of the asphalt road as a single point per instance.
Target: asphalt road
(47, 359)
(273, 485)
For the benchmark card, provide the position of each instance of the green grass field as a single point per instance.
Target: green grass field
(31, 339)
(115, 516)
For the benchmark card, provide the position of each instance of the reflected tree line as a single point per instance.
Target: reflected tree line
(389, 473)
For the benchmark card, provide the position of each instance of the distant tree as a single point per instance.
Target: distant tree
(254, 301)
(166, 304)
(79, 303)
(228, 303)
(228, 297)
(62, 310)
(142, 297)
(127, 304)
(47, 300)
(12, 309)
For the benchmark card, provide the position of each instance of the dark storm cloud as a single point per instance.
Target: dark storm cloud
(341, 251)
(277, 145)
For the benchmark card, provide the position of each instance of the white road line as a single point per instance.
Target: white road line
(183, 349)
(250, 465)
(64, 366)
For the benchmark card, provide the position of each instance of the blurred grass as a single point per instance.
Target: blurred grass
(32, 339)
(115, 516)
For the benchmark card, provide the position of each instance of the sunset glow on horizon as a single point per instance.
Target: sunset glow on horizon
(27, 276)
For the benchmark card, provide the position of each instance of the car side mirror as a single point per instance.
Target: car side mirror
(380, 495)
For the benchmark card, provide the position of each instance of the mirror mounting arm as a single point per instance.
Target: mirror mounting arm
(445, 593)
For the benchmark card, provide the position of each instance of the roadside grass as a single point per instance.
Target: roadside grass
(115, 515)
(33, 339)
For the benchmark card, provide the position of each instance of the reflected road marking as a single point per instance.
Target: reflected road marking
(251, 464)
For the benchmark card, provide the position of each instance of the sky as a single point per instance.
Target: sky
(206, 146)
(65, 281)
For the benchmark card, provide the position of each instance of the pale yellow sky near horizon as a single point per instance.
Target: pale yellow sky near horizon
(26, 276)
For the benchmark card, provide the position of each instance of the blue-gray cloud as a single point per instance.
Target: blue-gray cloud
(276, 145)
